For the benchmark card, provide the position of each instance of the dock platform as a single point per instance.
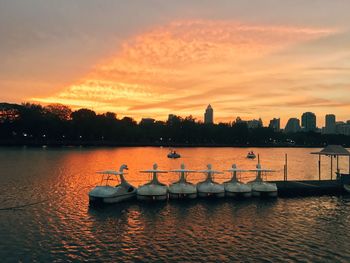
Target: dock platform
(309, 187)
(337, 185)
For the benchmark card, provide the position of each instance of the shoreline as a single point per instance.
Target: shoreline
(48, 143)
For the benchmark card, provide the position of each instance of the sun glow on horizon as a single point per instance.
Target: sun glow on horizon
(243, 70)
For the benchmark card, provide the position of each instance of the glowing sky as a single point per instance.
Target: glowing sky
(151, 58)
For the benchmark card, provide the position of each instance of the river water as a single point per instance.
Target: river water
(55, 223)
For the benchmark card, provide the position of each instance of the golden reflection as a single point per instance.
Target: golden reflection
(75, 172)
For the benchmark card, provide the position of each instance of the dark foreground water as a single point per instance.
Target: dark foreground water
(56, 223)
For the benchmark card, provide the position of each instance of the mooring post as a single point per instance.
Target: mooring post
(286, 167)
(319, 167)
(284, 172)
(331, 167)
(337, 164)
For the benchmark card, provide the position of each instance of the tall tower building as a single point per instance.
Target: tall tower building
(209, 115)
(330, 124)
(293, 125)
(308, 121)
(275, 124)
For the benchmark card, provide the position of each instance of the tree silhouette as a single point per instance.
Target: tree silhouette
(34, 124)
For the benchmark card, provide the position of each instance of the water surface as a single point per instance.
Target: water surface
(62, 227)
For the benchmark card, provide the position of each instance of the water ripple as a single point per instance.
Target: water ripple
(65, 229)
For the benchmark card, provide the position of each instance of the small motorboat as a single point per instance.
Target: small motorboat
(182, 188)
(173, 155)
(235, 188)
(251, 155)
(261, 188)
(209, 188)
(154, 190)
(106, 194)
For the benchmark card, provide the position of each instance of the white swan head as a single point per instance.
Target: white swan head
(155, 166)
(123, 167)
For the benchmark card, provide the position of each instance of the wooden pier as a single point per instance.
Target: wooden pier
(309, 187)
(318, 187)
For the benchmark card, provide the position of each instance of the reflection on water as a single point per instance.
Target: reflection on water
(63, 226)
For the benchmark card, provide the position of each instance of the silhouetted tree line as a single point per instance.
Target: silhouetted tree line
(33, 124)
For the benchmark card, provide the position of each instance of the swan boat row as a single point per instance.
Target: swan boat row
(155, 190)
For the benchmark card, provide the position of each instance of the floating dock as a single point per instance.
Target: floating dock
(309, 188)
(335, 186)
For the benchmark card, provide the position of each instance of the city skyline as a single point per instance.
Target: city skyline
(10, 113)
(243, 58)
(276, 122)
(307, 122)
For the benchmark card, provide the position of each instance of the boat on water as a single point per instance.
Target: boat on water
(251, 155)
(182, 188)
(210, 188)
(107, 194)
(235, 188)
(173, 155)
(261, 188)
(153, 190)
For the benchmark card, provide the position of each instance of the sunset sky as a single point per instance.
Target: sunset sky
(261, 58)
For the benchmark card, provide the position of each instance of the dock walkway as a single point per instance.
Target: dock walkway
(309, 187)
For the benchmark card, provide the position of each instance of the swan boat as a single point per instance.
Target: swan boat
(153, 190)
(208, 187)
(112, 194)
(235, 188)
(260, 187)
(182, 188)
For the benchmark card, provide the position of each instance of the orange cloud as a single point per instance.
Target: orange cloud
(181, 67)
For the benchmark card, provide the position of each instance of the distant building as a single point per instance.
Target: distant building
(293, 125)
(209, 115)
(330, 127)
(253, 124)
(343, 128)
(308, 121)
(147, 121)
(275, 124)
(239, 120)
